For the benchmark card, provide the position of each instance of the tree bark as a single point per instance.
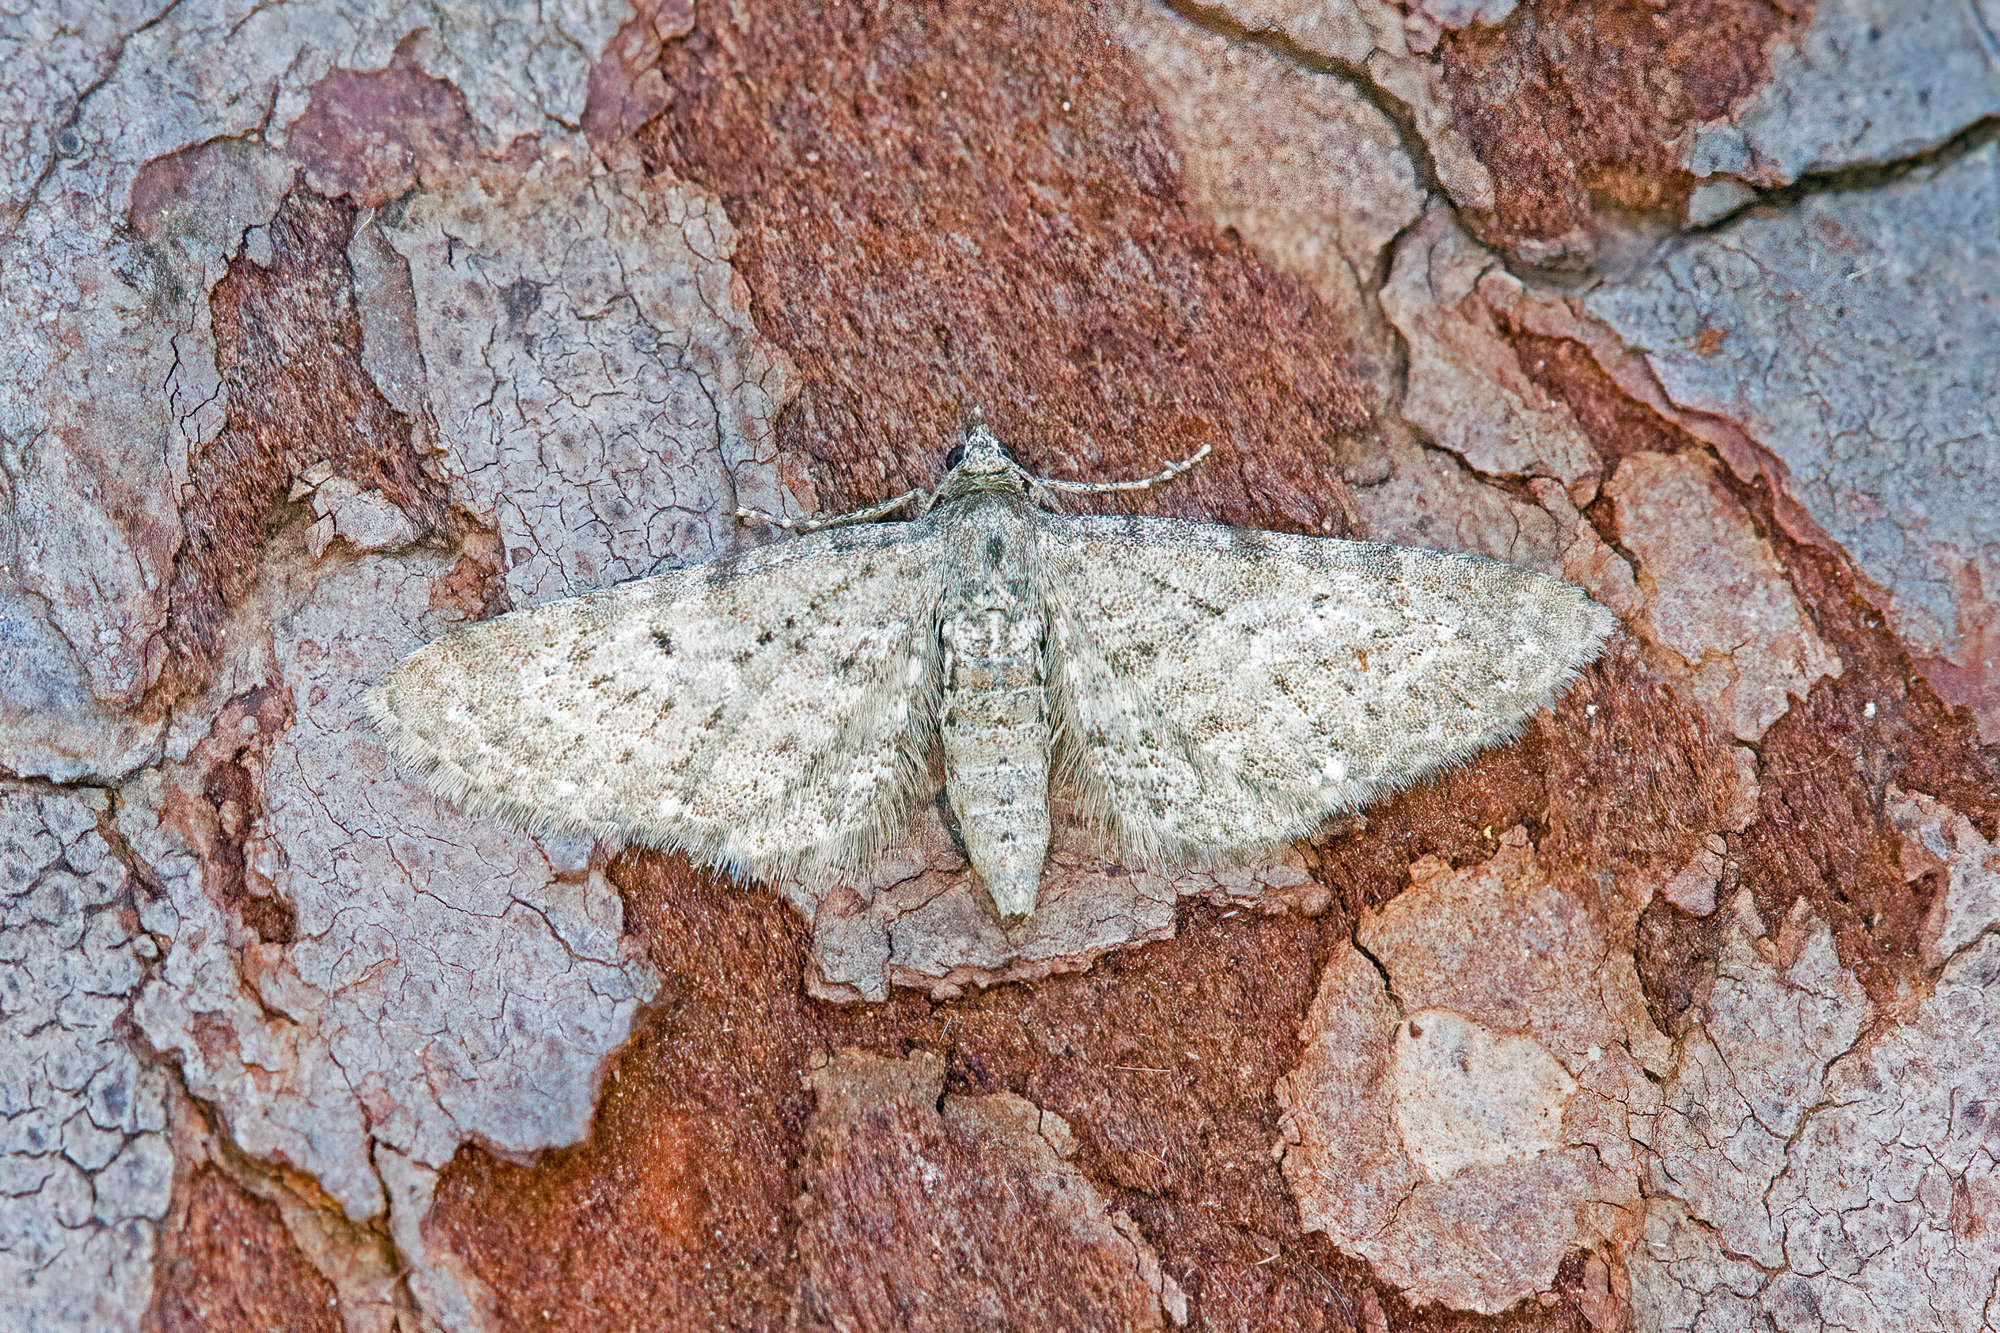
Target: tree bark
(333, 327)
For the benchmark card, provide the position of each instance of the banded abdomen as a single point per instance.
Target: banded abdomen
(993, 631)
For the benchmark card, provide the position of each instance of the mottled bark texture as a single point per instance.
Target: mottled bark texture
(331, 326)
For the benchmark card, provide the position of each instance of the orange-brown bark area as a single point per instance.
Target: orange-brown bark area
(951, 207)
(232, 1267)
(687, 1204)
(1577, 106)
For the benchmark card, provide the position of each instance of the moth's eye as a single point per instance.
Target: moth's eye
(955, 457)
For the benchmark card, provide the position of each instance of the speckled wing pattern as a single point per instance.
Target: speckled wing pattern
(773, 712)
(1219, 690)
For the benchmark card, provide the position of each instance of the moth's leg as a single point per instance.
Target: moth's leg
(868, 515)
(1167, 473)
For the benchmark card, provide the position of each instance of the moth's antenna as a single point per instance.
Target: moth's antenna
(1167, 473)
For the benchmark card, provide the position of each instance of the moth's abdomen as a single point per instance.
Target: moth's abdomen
(996, 744)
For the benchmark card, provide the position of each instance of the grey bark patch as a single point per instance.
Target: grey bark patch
(85, 1166)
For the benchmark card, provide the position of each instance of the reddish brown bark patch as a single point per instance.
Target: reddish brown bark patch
(1634, 779)
(964, 1208)
(368, 135)
(1676, 955)
(287, 345)
(1575, 105)
(1617, 780)
(1161, 1059)
(1617, 425)
(1163, 1063)
(1827, 766)
(947, 207)
(232, 1265)
(677, 1211)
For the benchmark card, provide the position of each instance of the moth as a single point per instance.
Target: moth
(1201, 692)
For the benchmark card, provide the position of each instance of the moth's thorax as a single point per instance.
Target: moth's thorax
(992, 637)
(963, 484)
(992, 612)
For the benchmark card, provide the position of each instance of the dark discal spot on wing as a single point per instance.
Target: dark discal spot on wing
(663, 641)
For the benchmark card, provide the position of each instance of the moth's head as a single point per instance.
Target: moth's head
(979, 458)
